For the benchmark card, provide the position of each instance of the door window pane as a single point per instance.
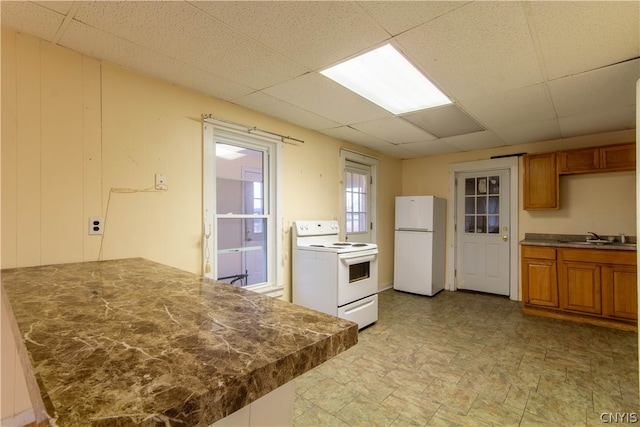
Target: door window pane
(482, 205)
(356, 201)
(494, 184)
(469, 205)
(470, 186)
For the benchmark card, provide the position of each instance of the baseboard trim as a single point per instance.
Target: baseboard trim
(23, 419)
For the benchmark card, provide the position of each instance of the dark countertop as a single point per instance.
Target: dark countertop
(577, 241)
(131, 342)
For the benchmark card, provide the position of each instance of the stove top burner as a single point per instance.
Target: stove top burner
(359, 244)
(342, 244)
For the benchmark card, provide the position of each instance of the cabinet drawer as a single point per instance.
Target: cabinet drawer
(539, 252)
(601, 256)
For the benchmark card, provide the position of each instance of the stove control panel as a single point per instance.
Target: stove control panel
(316, 228)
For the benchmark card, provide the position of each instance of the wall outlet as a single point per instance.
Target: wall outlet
(161, 180)
(96, 225)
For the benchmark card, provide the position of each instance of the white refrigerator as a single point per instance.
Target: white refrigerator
(419, 259)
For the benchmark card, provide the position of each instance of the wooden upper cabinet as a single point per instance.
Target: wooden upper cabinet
(598, 159)
(618, 157)
(540, 182)
(577, 161)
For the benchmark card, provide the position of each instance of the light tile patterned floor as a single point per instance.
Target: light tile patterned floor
(464, 359)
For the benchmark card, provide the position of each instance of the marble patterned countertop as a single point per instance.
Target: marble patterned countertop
(134, 342)
(577, 241)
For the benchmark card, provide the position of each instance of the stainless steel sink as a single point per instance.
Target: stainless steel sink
(596, 242)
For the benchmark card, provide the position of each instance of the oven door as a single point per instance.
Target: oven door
(357, 275)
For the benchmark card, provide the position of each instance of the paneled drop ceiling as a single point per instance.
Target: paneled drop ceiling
(517, 71)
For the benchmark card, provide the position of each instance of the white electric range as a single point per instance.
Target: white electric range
(334, 277)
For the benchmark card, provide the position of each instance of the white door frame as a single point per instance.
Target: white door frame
(510, 163)
(372, 162)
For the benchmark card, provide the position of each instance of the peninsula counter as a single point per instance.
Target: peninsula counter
(133, 342)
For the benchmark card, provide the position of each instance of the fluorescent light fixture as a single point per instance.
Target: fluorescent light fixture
(385, 77)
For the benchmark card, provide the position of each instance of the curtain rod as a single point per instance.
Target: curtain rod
(252, 129)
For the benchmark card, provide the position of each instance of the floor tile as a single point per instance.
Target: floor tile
(318, 417)
(330, 395)
(416, 406)
(367, 413)
(555, 411)
(465, 359)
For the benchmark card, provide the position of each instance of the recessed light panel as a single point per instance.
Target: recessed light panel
(385, 77)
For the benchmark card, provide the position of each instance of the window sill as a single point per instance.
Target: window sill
(270, 290)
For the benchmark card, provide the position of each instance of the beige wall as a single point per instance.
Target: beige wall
(603, 203)
(74, 127)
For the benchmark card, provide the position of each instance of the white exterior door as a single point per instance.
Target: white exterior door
(357, 179)
(483, 231)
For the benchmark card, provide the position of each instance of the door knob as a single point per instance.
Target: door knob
(505, 238)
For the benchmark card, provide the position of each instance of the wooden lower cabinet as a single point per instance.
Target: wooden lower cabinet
(585, 285)
(539, 276)
(581, 290)
(620, 291)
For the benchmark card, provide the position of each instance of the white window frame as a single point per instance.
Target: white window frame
(214, 131)
(355, 157)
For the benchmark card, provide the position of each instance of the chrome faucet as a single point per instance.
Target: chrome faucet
(595, 236)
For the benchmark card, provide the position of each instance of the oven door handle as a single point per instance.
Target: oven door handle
(357, 259)
(360, 307)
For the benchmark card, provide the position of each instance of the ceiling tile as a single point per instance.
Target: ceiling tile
(596, 122)
(96, 43)
(399, 16)
(492, 57)
(516, 106)
(195, 38)
(397, 151)
(429, 148)
(599, 90)
(31, 18)
(475, 141)
(475, 50)
(448, 120)
(532, 131)
(394, 130)
(349, 134)
(271, 106)
(62, 7)
(313, 33)
(316, 93)
(577, 36)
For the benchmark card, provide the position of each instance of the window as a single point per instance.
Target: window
(356, 198)
(359, 196)
(241, 207)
